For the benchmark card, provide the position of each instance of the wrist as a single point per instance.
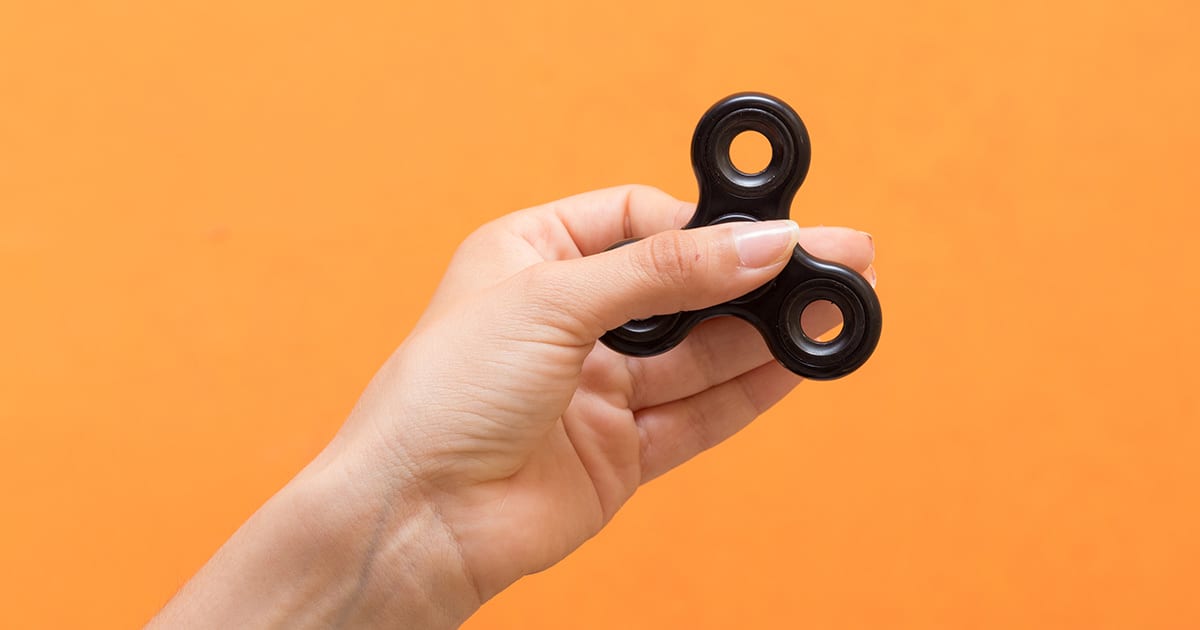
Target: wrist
(327, 552)
(395, 562)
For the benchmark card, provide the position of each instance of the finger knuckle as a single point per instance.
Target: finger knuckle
(672, 258)
(481, 239)
(541, 286)
(644, 190)
(547, 298)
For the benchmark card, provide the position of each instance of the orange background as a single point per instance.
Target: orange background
(218, 218)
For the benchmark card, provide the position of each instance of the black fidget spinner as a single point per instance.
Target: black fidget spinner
(728, 194)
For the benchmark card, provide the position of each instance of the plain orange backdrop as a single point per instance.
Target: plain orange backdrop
(218, 218)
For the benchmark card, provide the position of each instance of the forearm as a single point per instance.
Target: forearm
(323, 554)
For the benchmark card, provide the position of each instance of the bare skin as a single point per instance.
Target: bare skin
(500, 436)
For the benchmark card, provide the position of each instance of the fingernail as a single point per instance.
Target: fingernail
(869, 274)
(762, 244)
(871, 242)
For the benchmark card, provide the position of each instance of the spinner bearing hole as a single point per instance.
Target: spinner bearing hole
(821, 321)
(750, 152)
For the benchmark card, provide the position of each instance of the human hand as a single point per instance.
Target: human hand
(500, 436)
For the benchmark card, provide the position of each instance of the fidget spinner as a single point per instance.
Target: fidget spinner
(728, 194)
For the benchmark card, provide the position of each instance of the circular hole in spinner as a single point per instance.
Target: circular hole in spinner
(821, 321)
(745, 164)
(750, 152)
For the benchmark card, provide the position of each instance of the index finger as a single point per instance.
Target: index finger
(591, 222)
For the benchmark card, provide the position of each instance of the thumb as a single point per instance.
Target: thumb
(666, 273)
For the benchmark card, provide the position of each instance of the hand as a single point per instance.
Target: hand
(500, 436)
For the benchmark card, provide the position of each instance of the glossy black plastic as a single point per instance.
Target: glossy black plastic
(728, 194)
